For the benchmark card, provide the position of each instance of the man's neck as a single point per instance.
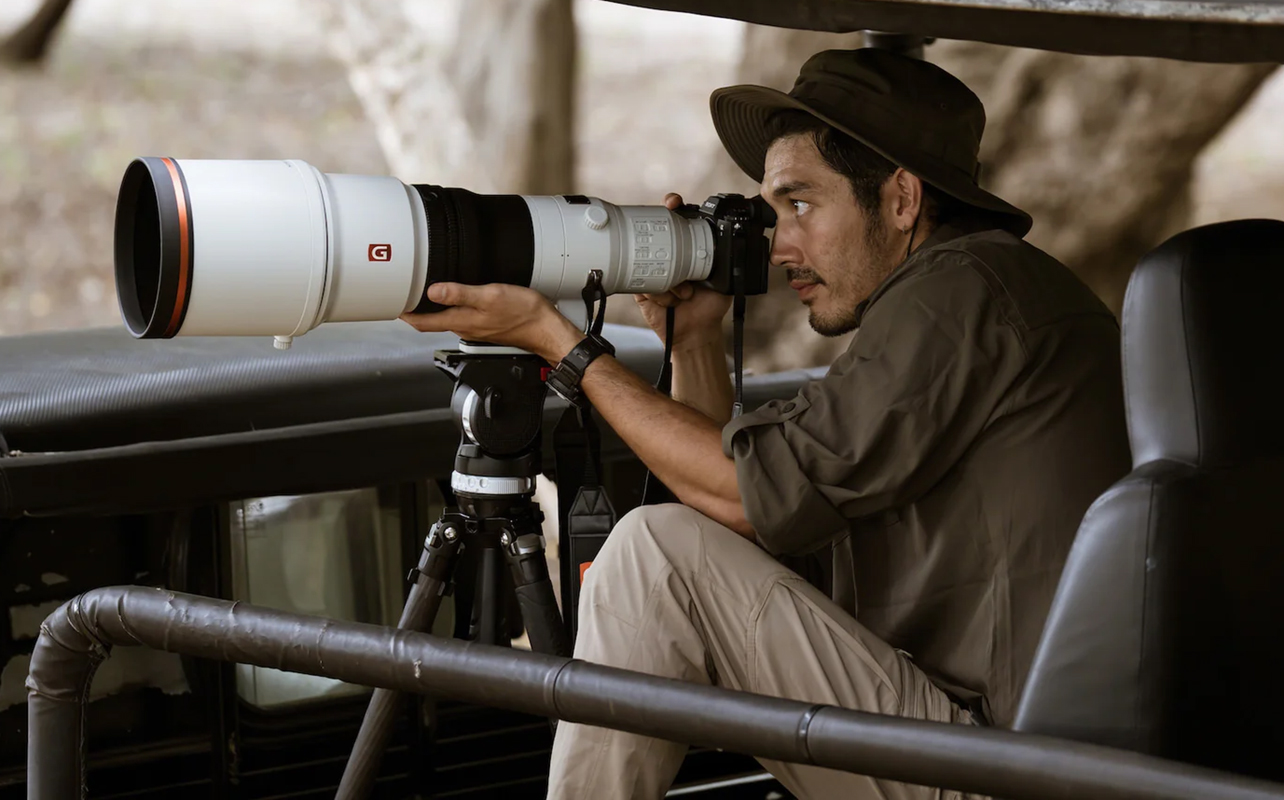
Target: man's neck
(922, 233)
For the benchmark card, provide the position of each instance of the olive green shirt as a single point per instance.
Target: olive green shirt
(948, 456)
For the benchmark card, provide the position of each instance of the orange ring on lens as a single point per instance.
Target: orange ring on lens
(184, 249)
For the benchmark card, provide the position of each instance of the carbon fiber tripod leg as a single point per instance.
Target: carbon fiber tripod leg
(534, 589)
(434, 572)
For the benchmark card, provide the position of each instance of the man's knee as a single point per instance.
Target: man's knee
(666, 530)
(645, 541)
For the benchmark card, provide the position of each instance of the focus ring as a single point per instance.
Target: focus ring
(476, 239)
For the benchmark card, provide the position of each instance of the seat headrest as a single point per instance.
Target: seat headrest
(1203, 346)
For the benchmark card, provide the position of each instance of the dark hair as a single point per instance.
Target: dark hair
(864, 169)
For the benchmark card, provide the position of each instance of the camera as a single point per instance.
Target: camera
(238, 248)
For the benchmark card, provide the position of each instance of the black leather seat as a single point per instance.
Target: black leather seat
(1166, 635)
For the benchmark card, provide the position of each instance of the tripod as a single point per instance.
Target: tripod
(498, 405)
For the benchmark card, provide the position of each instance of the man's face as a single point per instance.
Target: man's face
(835, 252)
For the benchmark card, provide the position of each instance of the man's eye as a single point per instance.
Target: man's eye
(800, 206)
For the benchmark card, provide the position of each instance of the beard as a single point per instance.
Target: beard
(831, 324)
(844, 318)
(835, 323)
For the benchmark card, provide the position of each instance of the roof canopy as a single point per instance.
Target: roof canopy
(1193, 30)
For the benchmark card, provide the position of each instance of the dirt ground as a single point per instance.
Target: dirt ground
(203, 79)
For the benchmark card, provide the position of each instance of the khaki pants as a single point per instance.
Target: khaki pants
(674, 593)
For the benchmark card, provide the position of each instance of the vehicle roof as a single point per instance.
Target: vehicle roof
(110, 424)
(1240, 31)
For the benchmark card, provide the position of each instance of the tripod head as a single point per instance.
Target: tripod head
(498, 405)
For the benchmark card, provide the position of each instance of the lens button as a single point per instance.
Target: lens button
(596, 218)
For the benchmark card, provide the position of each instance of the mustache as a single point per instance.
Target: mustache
(803, 275)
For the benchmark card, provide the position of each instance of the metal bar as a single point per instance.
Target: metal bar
(1194, 30)
(981, 760)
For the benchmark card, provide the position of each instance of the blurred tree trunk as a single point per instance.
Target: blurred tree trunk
(491, 111)
(1099, 150)
(28, 44)
(514, 66)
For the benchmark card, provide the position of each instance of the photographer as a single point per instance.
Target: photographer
(942, 466)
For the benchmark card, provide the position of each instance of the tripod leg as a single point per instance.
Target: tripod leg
(433, 577)
(525, 556)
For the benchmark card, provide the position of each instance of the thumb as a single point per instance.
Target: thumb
(450, 294)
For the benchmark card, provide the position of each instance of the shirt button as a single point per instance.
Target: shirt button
(787, 407)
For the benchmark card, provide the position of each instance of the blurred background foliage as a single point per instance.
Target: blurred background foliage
(1110, 155)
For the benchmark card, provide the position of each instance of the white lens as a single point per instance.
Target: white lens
(270, 248)
(378, 248)
(637, 248)
(275, 248)
(258, 247)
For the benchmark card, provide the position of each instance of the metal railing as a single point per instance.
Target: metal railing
(79, 635)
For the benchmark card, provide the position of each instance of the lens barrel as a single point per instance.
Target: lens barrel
(276, 247)
(154, 247)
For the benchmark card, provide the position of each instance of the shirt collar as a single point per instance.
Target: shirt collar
(943, 233)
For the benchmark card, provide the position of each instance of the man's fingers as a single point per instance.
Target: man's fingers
(452, 319)
(663, 300)
(453, 294)
(672, 200)
(679, 293)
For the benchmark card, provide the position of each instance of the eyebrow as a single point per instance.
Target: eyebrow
(790, 187)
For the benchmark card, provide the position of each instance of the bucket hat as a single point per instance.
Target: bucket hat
(910, 111)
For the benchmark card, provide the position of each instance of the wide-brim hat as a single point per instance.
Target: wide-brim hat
(910, 111)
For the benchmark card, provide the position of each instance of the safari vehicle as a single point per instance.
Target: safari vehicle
(306, 481)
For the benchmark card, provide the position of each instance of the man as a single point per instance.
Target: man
(943, 465)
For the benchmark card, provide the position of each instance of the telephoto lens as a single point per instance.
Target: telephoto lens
(276, 248)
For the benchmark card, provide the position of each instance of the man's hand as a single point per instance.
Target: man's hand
(700, 309)
(500, 314)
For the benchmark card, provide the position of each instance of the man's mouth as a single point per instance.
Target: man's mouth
(804, 289)
(804, 282)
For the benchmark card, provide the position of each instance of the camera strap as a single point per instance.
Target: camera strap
(585, 513)
(738, 343)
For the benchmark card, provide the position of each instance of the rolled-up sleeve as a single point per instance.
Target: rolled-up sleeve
(925, 372)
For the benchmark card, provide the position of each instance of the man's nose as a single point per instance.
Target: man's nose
(782, 252)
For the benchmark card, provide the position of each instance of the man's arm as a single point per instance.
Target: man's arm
(701, 380)
(681, 444)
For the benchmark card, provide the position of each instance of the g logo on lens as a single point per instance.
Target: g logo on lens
(380, 252)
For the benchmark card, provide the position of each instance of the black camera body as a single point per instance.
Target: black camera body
(742, 251)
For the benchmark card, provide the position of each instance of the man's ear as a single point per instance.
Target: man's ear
(906, 201)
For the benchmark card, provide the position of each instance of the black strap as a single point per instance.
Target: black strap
(585, 514)
(594, 292)
(738, 342)
(665, 382)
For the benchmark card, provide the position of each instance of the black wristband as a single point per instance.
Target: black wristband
(566, 376)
